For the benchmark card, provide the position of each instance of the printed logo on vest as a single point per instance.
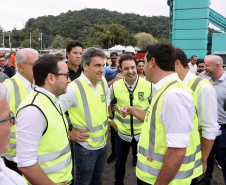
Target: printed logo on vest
(102, 97)
(140, 96)
(146, 117)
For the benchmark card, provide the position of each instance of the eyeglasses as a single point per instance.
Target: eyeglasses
(113, 58)
(65, 74)
(31, 64)
(11, 118)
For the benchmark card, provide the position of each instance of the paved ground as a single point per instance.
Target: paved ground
(130, 178)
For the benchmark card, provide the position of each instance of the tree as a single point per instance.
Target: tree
(107, 36)
(144, 39)
(34, 44)
(58, 42)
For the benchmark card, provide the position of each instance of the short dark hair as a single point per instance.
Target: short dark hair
(201, 61)
(72, 44)
(138, 61)
(124, 58)
(193, 56)
(113, 53)
(164, 55)
(180, 55)
(43, 66)
(2, 56)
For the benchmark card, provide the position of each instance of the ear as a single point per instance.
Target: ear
(152, 63)
(84, 65)
(50, 79)
(67, 53)
(20, 67)
(177, 63)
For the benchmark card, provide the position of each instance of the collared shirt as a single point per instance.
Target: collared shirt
(131, 88)
(10, 177)
(207, 109)
(203, 75)
(220, 87)
(176, 113)
(193, 68)
(28, 86)
(73, 75)
(31, 124)
(70, 100)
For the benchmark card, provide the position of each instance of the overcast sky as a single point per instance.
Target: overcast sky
(16, 13)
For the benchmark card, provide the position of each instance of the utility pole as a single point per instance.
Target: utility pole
(41, 40)
(3, 40)
(30, 39)
(10, 44)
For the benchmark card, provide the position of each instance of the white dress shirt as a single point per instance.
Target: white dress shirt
(10, 177)
(70, 100)
(26, 83)
(31, 124)
(207, 109)
(193, 68)
(131, 88)
(176, 113)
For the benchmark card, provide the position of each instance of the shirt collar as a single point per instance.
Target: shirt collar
(47, 93)
(188, 77)
(25, 81)
(79, 69)
(86, 80)
(164, 80)
(222, 78)
(134, 84)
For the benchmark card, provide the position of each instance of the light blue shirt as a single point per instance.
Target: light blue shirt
(220, 87)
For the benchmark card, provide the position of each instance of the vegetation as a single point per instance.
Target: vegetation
(78, 25)
(144, 39)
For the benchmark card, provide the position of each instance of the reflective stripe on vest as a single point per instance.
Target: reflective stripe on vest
(44, 158)
(195, 84)
(86, 109)
(150, 153)
(16, 92)
(180, 174)
(58, 167)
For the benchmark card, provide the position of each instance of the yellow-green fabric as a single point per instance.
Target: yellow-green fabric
(17, 94)
(141, 94)
(92, 111)
(196, 82)
(153, 143)
(54, 154)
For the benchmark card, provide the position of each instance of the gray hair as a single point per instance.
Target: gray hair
(91, 52)
(2, 92)
(21, 55)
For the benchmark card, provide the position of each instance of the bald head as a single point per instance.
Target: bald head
(214, 66)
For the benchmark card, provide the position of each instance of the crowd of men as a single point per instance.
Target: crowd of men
(58, 114)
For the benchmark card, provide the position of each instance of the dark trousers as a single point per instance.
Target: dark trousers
(121, 150)
(11, 165)
(194, 181)
(113, 141)
(219, 148)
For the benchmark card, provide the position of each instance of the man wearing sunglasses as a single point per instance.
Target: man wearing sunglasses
(43, 149)
(7, 119)
(18, 87)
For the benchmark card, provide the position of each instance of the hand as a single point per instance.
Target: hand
(204, 167)
(118, 76)
(126, 110)
(113, 125)
(113, 108)
(78, 135)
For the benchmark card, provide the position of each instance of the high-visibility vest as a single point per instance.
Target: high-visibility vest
(17, 94)
(153, 143)
(140, 96)
(54, 153)
(92, 111)
(196, 82)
